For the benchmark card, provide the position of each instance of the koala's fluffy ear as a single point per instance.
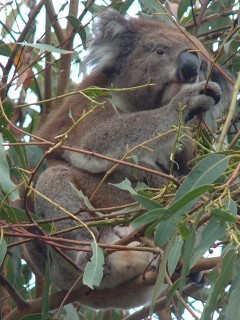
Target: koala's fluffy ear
(113, 39)
(227, 90)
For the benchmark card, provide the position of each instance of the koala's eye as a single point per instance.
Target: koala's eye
(159, 51)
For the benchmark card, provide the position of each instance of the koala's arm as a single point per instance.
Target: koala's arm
(113, 136)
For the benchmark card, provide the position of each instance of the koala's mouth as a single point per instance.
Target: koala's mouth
(170, 91)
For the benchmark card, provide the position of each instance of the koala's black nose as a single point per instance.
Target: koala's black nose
(187, 67)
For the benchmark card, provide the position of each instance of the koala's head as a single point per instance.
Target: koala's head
(132, 52)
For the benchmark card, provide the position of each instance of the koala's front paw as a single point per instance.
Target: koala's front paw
(197, 99)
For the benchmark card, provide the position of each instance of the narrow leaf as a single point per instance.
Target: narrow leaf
(223, 215)
(150, 216)
(188, 249)
(164, 231)
(219, 286)
(195, 193)
(155, 9)
(77, 25)
(212, 232)
(71, 312)
(22, 160)
(161, 274)
(5, 181)
(204, 173)
(47, 288)
(93, 272)
(45, 47)
(3, 250)
(146, 202)
(4, 49)
(183, 6)
(233, 306)
(230, 205)
(174, 255)
(125, 185)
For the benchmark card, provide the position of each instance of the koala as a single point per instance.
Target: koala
(169, 74)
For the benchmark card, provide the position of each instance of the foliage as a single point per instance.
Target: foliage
(37, 68)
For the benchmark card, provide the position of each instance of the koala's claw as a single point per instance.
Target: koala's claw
(211, 93)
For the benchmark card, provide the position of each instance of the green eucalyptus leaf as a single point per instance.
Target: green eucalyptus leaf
(223, 215)
(78, 27)
(125, 185)
(188, 197)
(4, 49)
(204, 173)
(150, 216)
(219, 287)
(146, 202)
(174, 254)
(6, 183)
(164, 231)
(233, 306)
(161, 273)
(93, 272)
(3, 250)
(188, 249)
(45, 47)
(183, 7)
(47, 287)
(212, 232)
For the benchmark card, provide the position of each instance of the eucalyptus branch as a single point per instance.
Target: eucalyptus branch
(120, 245)
(198, 20)
(180, 298)
(88, 5)
(20, 302)
(21, 38)
(56, 299)
(98, 155)
(17, 128)
(65, 62)
(234, 141)
(230, 115)
(160, 304)
(54, 22)
(48, 88)
(212, 17)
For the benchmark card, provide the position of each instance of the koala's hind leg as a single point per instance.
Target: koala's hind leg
(60, 196)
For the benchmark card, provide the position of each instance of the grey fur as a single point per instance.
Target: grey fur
(125, 52)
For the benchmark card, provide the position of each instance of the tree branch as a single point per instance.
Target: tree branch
(54, 22)
(141, 282)
(160, 304)
(20, 302)
(21, 38)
